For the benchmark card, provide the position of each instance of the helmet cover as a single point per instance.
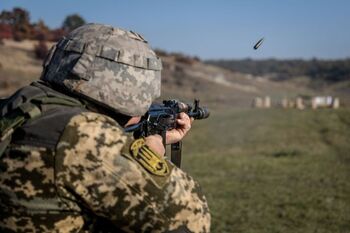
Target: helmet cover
(113, 67)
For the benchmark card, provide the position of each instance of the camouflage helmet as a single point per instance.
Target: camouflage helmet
(111, 66)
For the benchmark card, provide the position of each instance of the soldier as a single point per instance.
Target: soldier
(66, 164)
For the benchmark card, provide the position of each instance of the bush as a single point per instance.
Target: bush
(161, 53)
(41, 50)
(185, 60)
(5, 31)
(72, 22)
(57, 34)
(40, 31)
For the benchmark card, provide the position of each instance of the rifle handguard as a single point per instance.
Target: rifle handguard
(162, 117)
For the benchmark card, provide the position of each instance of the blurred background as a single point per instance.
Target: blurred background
(274, 156)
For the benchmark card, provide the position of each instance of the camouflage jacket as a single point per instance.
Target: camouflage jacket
(71, 170)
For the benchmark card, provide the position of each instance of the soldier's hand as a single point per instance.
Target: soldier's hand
(155, 143)
(184, 123)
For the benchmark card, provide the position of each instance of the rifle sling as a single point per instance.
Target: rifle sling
(176, 149)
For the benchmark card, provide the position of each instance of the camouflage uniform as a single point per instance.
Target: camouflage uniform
(72, 170)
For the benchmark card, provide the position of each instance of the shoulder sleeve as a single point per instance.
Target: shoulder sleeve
(96, 171)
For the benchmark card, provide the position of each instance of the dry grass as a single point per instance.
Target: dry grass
(17, 56)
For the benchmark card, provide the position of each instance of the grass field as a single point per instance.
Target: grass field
(273, 170)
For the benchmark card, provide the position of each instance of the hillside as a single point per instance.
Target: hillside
(331, 77)
(17, 66)
(326, 70)
(183, 78)
(216, 85)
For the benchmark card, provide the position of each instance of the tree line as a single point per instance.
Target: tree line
(15, 24)
(316, 69)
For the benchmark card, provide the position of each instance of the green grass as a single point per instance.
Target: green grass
(273, 170)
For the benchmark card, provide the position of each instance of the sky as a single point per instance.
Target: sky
(220, 29)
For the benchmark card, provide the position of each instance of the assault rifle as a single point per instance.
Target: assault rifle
(162, 117)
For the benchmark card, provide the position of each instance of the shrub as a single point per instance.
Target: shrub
(5, 31)
(57, 34)
(71, 22)
(41, 50)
